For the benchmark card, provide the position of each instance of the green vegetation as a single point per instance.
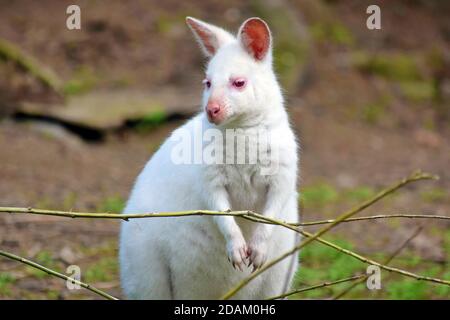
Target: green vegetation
(332, 31)
(319, 264)
(399, 67)
(418, 91)
(318, 195)
(10, 52)
(373, 112)
(322, 194)
(105, 269)
(83, 80)
(112, 205)
(152, 120)
(435, 195)
(44, 258)
(6, 280)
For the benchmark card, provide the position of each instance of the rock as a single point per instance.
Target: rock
(107, 110)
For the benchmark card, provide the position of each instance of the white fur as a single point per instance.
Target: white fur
(186, 257)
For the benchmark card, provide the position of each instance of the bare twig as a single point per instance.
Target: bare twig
(414, 177)
(379, 216)
(386, 262)
(317, 286)
(255, 217)
(250, 215)
(56, 274)
(373, 262)
(10, 52)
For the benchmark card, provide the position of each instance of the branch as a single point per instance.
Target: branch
(388, 260)
(382, 266)
(9, 51)
(414, 177)
(126, 217)
(379, 216)
(56, 274)
(320, 285)
(255, 217)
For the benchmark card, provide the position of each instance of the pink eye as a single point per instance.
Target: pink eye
(239, 83)
(207, 83)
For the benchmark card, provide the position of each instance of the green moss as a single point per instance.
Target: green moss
(435, 195)
(318, 194)
(418, 91)
(104, 270)
(399, 67)
(83, 80)
(333, 32)
(373, 112)
(44, 258)
(407, 289)
(6, 280)
(112, 205)
(359, 194)
(152, 120)
(320, 263)
(69, 200)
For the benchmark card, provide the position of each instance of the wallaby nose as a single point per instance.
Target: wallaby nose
(212, 109)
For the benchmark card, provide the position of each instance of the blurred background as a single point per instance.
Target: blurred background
(81, 111)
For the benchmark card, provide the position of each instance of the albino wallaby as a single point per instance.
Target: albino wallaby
(202, 257)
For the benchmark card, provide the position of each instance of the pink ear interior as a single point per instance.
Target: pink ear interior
(207, 38)
(255, 37)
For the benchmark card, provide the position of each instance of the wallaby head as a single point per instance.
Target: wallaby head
(240, 87)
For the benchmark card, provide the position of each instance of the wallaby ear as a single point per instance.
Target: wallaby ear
(210, 37)
(254, 36)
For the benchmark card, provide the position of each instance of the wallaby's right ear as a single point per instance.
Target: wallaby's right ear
(210, 37)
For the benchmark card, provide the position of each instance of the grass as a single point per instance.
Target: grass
(151, 120)
(6, 281)
(333, 32)
(418, 91)
(82, 81)
(435, 195)
(113, 204)
(44, 258)
(398, 67)
(318, 194)
(105, 269)
(320, 264)
(322, 194)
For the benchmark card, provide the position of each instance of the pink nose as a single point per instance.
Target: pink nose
(213, 109)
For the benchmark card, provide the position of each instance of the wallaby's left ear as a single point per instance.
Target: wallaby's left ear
(254, 36)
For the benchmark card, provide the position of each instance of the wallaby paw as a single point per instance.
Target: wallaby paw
(237, 253)
(257, 254)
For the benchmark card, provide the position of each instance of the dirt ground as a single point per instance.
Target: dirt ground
(358, 131)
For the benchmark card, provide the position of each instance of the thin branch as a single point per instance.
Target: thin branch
(244, 214)
(10, 52)
(317, 286)
(414, 177)
(255, 217)
(373, 262)
(379, 216)
(386, 262)
(57, 274)
(120, 216)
